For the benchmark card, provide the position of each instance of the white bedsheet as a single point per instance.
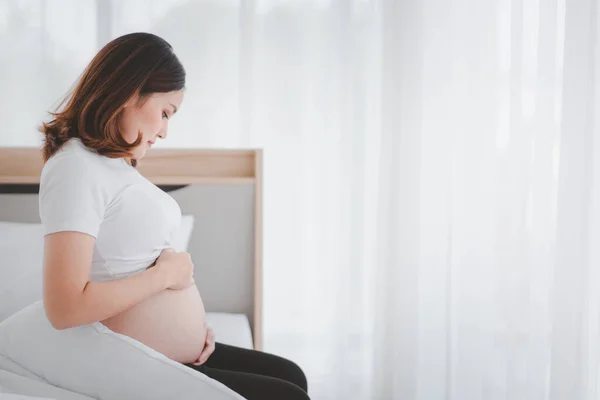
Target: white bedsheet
(232, 329)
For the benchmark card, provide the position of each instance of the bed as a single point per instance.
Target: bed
(219, 191)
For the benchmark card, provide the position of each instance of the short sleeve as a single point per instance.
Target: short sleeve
(71, 197)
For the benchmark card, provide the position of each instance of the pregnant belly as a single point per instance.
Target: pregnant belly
(171, 322)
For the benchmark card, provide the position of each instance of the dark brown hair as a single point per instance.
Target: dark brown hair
(136, 64)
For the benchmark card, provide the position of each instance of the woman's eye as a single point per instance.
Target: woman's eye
(165, 115)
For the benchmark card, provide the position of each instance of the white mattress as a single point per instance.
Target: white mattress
(232, 329)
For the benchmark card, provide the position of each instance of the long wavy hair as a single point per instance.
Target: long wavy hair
(136, 64)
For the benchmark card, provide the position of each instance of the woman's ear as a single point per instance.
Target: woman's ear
(134, 100)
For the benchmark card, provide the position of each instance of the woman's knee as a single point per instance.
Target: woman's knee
(289, 391)
(291, 372)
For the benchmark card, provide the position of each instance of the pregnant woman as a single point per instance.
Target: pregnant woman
(109, 231)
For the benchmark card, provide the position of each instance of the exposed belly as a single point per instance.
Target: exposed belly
(171, 322)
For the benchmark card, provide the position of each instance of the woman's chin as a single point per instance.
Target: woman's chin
(139, 154)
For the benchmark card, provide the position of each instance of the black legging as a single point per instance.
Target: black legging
(255, 375)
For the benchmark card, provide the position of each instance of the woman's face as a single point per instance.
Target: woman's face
(150, 118)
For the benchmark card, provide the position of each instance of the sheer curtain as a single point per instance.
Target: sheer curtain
(431, 194)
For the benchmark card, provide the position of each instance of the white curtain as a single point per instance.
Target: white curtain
(431, 194)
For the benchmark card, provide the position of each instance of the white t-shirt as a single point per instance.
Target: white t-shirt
(131, 219)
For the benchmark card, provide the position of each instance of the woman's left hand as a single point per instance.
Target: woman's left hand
(209, 347)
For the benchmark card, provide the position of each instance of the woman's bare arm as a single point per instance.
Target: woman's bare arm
(70, 299)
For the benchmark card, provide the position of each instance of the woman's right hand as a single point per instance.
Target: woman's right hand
(177, 267)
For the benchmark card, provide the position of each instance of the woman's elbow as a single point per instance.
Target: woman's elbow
(60, 325)
(58, 322)
(59, 317)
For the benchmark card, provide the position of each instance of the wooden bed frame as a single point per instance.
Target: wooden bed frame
(176, 167)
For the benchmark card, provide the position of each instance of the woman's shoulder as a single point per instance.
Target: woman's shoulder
(75, 189)
(74, 158)
(76, 171)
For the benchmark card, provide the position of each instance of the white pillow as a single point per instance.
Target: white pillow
(22, 249)
(32, 389)
(181, 239)
(94, 361)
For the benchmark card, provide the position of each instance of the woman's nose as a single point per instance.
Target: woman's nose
(163, 133)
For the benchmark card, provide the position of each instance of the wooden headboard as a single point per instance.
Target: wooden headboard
(221, 188)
